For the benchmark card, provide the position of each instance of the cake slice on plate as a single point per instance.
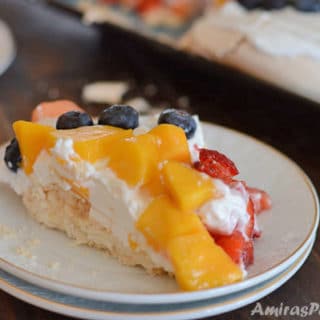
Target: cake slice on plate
(142, 188)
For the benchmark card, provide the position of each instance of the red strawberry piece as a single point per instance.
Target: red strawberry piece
(248, 253)
(237, 247)
(251, 213)
(261, 200)
(216, 164)
(146, 5)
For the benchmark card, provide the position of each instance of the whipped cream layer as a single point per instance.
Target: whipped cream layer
(286, 32)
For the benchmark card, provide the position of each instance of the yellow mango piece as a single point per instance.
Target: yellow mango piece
(155, 187)
(173, 143)
(32, 138)
(135, 159)
(201, 264)
(187, 187)
(162, 221)
(94, 142)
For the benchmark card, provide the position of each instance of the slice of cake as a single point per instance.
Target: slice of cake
(142, 188)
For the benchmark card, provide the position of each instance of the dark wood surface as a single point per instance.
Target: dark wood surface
(57, 55)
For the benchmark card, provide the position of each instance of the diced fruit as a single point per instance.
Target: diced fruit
(201, 264)
(146, 5)
(188, 188)
(251, 4)
(250, 224)
(135, 159)
(274, 4)
(179, 118)
(216, 164)
(155, 187)
(261, 200)
(120, 116)
(93, 143)
(237, 247)
(162, 221)
(90, 143)
(307, 5)
(73, 120)
(173, 144)
(12, 156)
(53, 109)
(184, 8)
(32, 138)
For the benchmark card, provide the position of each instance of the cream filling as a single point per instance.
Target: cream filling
(225, 214)
(286, 32)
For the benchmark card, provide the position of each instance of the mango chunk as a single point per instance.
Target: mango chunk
(135, 159)
(93, 143)
(162, 221)
(32, 138)
(173, 143)
(155, 187)
(187, 187)
(201, 264)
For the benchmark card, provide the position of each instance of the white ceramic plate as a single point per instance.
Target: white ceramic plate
(88, 309)
(7, 47)
(50, 260)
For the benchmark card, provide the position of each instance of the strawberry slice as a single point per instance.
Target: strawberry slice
(237, 247)
(261, 200)
(216, 164)
(146, 5)
(250, 226)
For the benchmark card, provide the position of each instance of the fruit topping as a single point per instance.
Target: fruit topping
(135, 159)
(73, 120)
(173, 144)
(260, 199)
(12, 156)
(199, 263)
(251, 4)
(163, 221)
(187, 187)
(181, 119)
(216, 164)
(93, 143)
(53, 109)
(32, 139)
(120, 116)
(302, 5)
(307, 5)
(237, 247)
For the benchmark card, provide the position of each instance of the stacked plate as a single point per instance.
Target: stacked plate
(7, 47)
(45, 268)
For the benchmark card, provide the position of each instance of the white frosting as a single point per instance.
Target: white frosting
(285, 32)
(227, 213)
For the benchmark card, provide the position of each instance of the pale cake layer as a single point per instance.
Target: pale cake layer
(66, 211)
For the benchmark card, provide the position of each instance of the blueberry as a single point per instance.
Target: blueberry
(179, 118)
(120, 116)
(274, 4)
(12, 156)
(251, 4)
(73, 119)
(307, 5)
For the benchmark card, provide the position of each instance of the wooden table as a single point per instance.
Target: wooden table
(57, 55)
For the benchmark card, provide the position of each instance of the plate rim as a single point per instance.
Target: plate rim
(203, 311)
(177, 297)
